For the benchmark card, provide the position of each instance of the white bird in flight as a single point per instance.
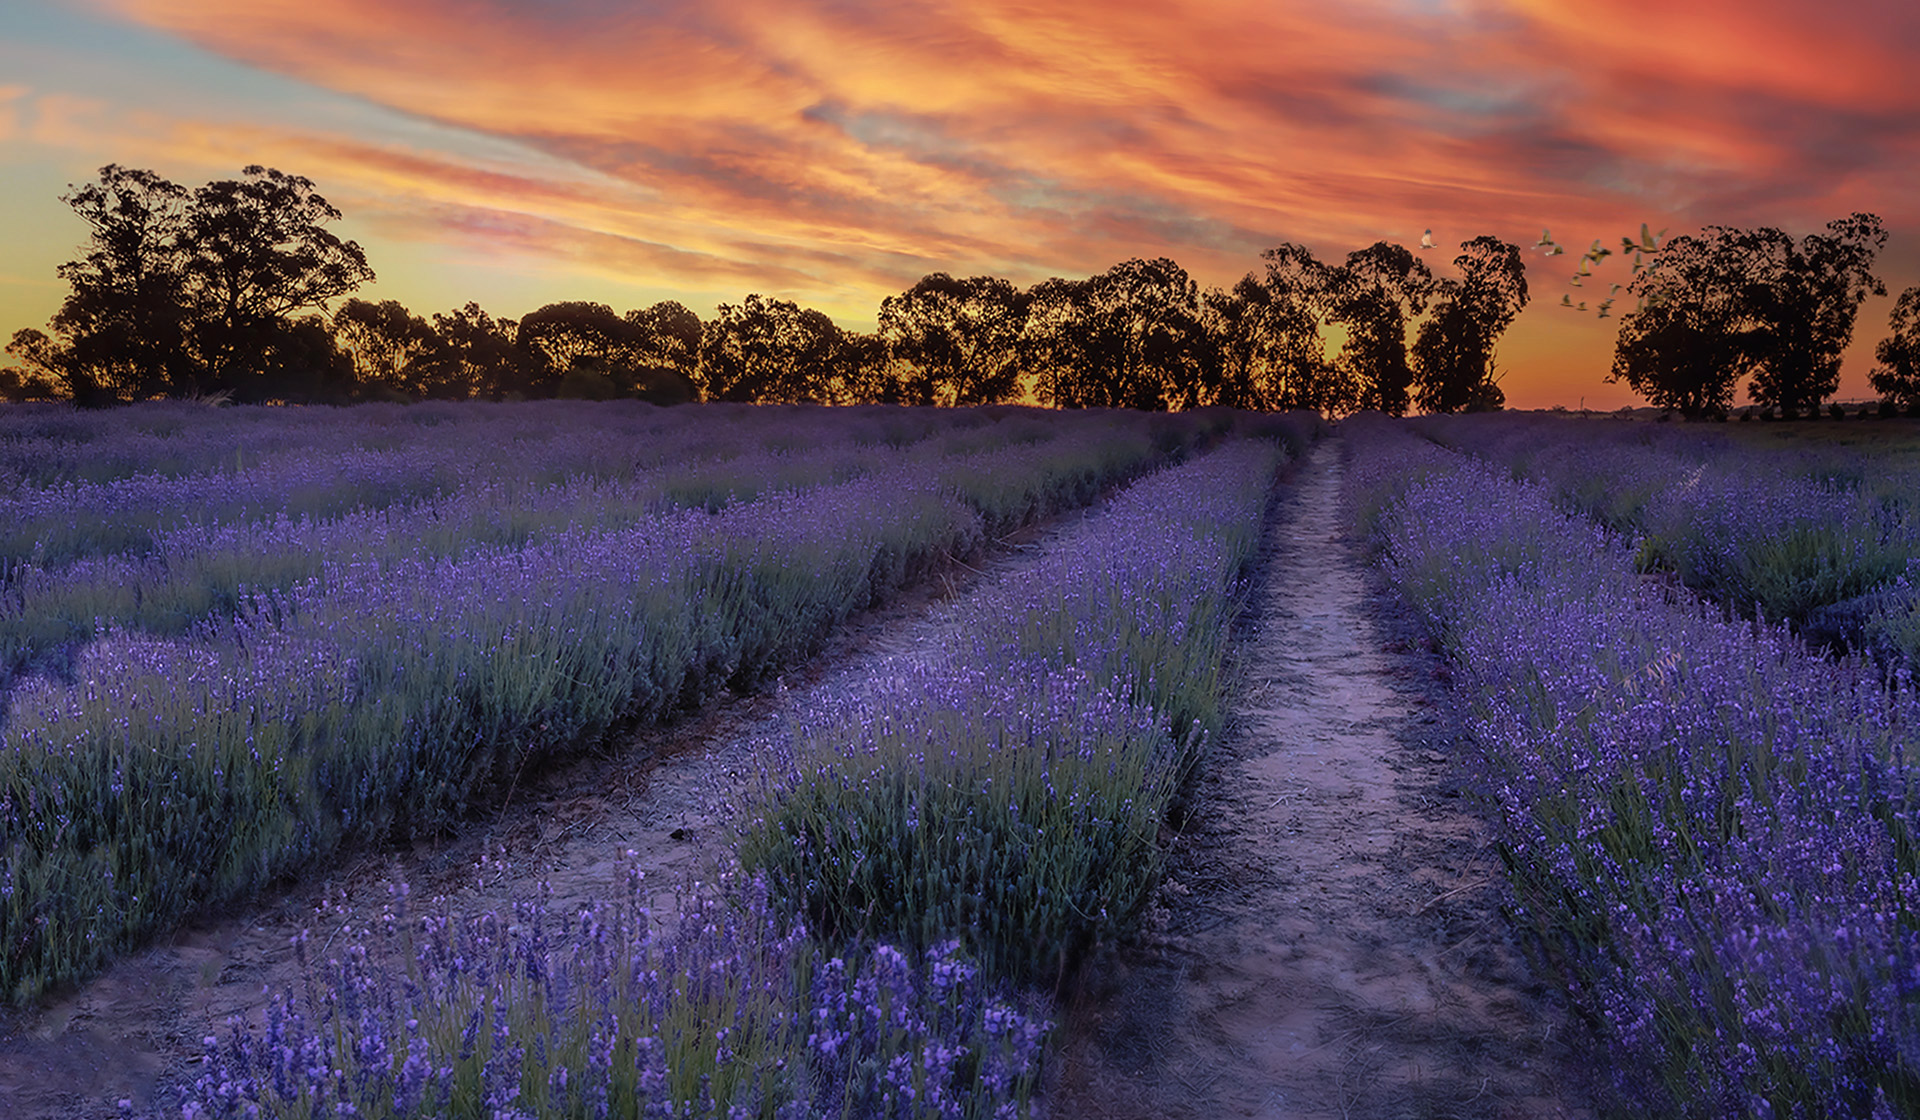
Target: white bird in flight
(1426, 240)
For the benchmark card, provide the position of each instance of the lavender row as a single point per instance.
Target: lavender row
(775, 1000)
(1710, 834)
(1008, 787)
(1822, 540)
(319, 463)
(45, 448)
(727, 1008)
(192, 571)
(383, 696)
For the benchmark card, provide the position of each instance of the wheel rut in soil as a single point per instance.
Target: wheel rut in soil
(1327, 941)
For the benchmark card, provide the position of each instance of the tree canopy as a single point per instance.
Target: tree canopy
(1748, 304)
(231, 289)
(1453, 355)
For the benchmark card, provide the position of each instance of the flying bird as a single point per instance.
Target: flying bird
(1426, 240)
(1566, 301)
(1596, 254)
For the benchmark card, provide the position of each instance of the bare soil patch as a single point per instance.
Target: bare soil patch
(1328, 940)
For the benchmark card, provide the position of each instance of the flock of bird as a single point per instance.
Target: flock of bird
(1648, 243)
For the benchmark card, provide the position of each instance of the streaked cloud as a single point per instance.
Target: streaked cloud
(835, 150)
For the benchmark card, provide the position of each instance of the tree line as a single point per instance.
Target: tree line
(231, 290)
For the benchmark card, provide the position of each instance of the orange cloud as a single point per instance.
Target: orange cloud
(846, 147)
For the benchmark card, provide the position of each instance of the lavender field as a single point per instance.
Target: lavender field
(237, 640)
(240, 641)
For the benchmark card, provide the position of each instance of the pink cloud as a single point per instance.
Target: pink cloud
(845, 147)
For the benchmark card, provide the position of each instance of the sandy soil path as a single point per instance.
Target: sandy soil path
(1327, 942)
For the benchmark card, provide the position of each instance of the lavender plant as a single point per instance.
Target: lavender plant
(724, 1009)
(1709, 833)
(1010, 792)
(1022, 786)
(1789, 535)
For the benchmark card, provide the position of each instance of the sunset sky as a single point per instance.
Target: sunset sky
(832, 152)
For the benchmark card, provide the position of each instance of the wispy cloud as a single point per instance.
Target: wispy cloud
(844, 147)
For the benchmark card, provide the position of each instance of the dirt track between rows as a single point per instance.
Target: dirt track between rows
(1328, 941)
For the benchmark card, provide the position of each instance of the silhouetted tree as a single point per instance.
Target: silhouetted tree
(770, 350)
(123, 327)
(387, 345)
(865, 370)
(579, 348)
(1687, 348)
(42, 374)
(955, 341)
(1897, 377)
(473, 354)
(1374, 295)
(180, 294)
(303, 366)
(1269, 350)
(1687, 358)
(1055, 348)
(560, 338)
(1160, 354)
(256, 254)
(1803, 301)
(1453, 354)
(1742, 304)
(1132, 337)
(1306, 294)
(665, 355)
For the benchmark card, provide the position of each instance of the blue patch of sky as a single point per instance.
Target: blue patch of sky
(57, 47)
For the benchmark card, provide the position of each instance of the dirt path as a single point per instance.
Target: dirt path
(1328, 941)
